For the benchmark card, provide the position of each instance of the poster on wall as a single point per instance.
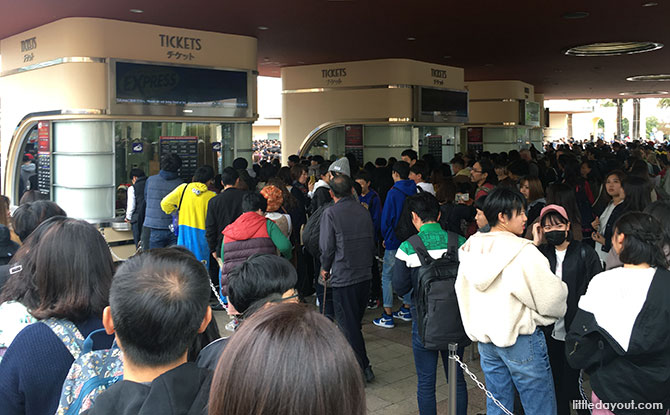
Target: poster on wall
(475, 139)
(187, 149)
(353, 141)
(44, 158)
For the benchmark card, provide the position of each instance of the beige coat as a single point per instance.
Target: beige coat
(505, 288)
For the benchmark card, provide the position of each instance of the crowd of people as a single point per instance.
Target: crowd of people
(266, 150)
(555, 263)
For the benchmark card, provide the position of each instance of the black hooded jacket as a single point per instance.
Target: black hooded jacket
(183, 390)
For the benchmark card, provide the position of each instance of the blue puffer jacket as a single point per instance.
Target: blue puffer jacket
(395, 199)
(157, 187)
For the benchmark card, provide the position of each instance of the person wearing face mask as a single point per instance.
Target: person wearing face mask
(506, 293)
(575, 263)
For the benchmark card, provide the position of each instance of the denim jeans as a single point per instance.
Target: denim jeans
(387, 277)
(426, 372)
(524, 365)
(161, 238)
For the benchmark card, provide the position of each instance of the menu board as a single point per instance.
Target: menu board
(187, 149)
(353, 141)
(475, 138)
(435, 146)
(44, 158)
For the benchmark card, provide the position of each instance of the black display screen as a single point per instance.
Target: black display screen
(161, 84)
(445, 102)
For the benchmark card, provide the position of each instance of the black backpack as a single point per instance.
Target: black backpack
(438, 316)
(312, 231)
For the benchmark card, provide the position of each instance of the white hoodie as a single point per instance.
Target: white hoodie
(505, 288)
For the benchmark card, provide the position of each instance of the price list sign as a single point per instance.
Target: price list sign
(353, 141)
(187, 149)
(44, 158)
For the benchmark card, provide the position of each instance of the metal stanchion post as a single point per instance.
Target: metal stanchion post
(451, 373)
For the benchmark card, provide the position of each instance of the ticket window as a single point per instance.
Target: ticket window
(373, 141)
(141, 144)
(84, 166)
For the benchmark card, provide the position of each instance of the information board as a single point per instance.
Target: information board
(187, 149)
(44, 158)
(353, 141)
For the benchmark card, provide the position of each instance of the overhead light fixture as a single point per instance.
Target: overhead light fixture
(138, 11)
(650, 4)
(411, 39)
(642, 93)
(188, 111)
(613, 48)
(658, 77)
(263, 28)
(576, 15)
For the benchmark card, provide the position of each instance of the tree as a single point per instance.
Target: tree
(664, 103)
(601, 123)
(625, 127)
(652, 123)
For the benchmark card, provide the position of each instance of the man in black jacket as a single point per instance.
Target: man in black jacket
(223, 209)
(158, 305)
(347, 247)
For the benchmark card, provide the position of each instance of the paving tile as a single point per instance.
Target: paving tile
(375, 403)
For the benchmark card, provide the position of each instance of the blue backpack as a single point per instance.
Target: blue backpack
(92, 371)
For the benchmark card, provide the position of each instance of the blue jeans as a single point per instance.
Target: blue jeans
(426, 372)
(525, 365)
(387, 277)
(161, 238)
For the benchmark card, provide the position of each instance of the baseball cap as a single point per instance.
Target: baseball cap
(554, 208)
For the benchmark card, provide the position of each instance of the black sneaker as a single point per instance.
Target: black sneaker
(368, 374)
(373, 304)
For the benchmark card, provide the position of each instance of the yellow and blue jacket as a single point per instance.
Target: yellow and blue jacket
(192, 214)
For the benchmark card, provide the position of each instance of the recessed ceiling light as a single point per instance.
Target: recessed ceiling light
(576, 15)
(138, 11)
(263, 28)
(659, 77)
(642, 93)
(613, 48)
(411, 39)
(650, 4)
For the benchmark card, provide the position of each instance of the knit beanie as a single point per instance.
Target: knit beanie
(341, 166)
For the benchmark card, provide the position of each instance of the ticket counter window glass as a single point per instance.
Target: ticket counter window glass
(378, 141)
(140, 145)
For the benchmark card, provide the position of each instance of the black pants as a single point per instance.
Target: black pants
(346, 305)
(566, 379)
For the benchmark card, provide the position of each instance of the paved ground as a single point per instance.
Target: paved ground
(394, 390)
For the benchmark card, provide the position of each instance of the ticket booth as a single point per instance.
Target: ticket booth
(86, 100)
(375, 108)
(504, 116)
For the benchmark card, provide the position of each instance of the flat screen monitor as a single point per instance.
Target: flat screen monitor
(443, 104)
(138, 83)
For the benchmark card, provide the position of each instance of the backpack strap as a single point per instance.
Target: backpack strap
(452, 244)
(420, 248)
(68, 333)
(182, 196)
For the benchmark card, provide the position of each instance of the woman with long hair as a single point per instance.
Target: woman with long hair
(531, 189)
(604, 224)
(64, 282)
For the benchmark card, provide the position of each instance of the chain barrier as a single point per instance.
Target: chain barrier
(479, 384)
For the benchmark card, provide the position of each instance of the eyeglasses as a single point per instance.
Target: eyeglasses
(477, 171)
